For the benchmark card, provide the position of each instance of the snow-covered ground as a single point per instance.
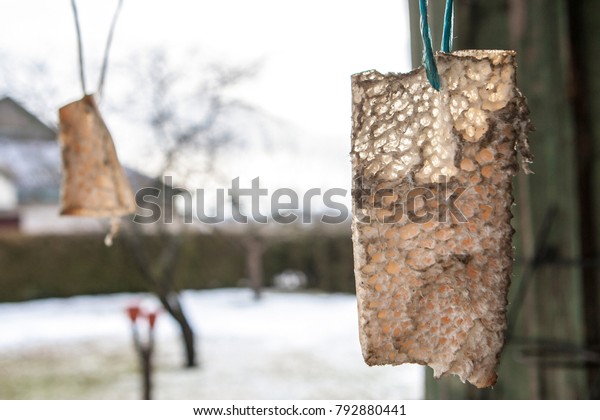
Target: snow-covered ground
(286, 346)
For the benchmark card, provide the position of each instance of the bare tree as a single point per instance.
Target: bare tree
(189, 112)
(192, 119)
(30, 82)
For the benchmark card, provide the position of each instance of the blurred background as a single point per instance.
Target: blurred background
(206, 92)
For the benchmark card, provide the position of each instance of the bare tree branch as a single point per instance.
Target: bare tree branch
(188, 112)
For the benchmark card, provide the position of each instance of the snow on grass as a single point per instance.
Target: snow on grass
(286, 346)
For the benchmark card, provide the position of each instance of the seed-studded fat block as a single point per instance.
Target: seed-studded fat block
(432, 200)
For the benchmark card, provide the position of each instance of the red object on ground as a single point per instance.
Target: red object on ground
(152, 319)
(133, 312)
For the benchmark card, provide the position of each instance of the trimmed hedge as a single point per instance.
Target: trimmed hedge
(33, 267)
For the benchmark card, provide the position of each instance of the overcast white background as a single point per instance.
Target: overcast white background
(308, 49)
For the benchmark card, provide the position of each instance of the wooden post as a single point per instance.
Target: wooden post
(144, 348)
(146, 363)
(584, 44)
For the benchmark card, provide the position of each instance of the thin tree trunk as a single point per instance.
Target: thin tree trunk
(254, 264)
(171, 303)
(163, 287)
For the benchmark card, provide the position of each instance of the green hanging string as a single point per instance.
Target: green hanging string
(448, 26)
(428, 57)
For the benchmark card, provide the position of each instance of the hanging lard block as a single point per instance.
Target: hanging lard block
(93, 182)
(431, 225)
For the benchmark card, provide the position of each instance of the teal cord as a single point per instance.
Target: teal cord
(448, 26)
(428, 58)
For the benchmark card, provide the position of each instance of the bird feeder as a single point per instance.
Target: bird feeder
(431, 230)
(143, 346)
(94, 183)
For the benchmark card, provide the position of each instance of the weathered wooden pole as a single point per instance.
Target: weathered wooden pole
(584, 16)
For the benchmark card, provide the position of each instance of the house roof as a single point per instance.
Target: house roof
(34, 166)
(18, 123)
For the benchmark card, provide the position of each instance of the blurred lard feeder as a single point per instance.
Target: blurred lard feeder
(94, 183)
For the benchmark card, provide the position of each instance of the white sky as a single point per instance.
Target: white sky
(310, 49)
